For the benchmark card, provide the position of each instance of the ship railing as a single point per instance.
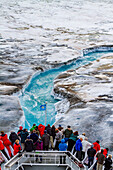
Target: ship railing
(48, 158)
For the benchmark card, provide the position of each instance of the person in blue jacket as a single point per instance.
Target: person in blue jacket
(62, 147)
(78, 148)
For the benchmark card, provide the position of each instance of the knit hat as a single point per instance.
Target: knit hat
(45, 131)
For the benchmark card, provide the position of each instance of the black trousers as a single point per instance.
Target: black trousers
(79, 155)
(57, 145)
(5, 154)
(71, 143)
(64, 159)
(45, 148)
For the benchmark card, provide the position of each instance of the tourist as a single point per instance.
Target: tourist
(39, 146)
(108, 163)
(62, 147)
(46, 140)
(23, 135)
(67, 133)
(72, 140)
(13, 136)
(91, 153)
(37, 131)
(28, 145)
(105, 152)
(2, 149)
(82, 136)
(41, 129)
(33, 128)
(86, 145)
(6, 142)
(100, 160)
(78, 147)
(20, 130)
(58, 138)
(60, 128)
(34, 136)
(96, 146)
(48, 128)
(17, 147)
(53, 132)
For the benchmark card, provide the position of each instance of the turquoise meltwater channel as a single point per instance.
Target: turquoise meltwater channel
(39, 90)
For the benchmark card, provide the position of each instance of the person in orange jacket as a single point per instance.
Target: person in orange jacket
(41, 129)
(2, 149)
(96, 146)
(6, 142)
(17, 147)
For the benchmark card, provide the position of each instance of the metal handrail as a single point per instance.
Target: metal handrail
(53, 155)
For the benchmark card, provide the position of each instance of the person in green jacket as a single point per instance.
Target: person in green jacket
(33, 128)
(72, 140)
(67, 133)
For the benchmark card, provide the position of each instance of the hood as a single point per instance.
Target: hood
(62, 141)
(20, 127)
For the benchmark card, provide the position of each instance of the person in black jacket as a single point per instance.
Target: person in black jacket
(53, 132)
(45, 139)
(34, 136)
(48, 129)
(13, 137)
(28, 145)
(108, 163)
(91, 153)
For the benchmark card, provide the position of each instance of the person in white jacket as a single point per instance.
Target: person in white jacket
(86, 145)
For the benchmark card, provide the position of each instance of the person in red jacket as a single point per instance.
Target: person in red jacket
(105, 152)
(41, 129)
(6, 142)
(17, 147)
(2, 149)
(96, 146)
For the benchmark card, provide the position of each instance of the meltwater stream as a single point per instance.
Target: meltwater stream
(39, 91)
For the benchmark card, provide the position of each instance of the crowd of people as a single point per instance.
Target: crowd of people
(45, 138)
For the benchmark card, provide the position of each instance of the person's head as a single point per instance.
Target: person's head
(45, 131)
(34, 131)
(75, 133)
(98, 141)
(20, 127)
(24, 130)
(56, 130)
(92, 146)
(86, 138)
(34, 124)
(107, 149)
(81, 139)
(2, 132)
(39, 139)
(17, 141)
(53, 126)
(68, 126)
(83, 134)
(62, 141)
(102, 150)
(48, 125)
(110, 156)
